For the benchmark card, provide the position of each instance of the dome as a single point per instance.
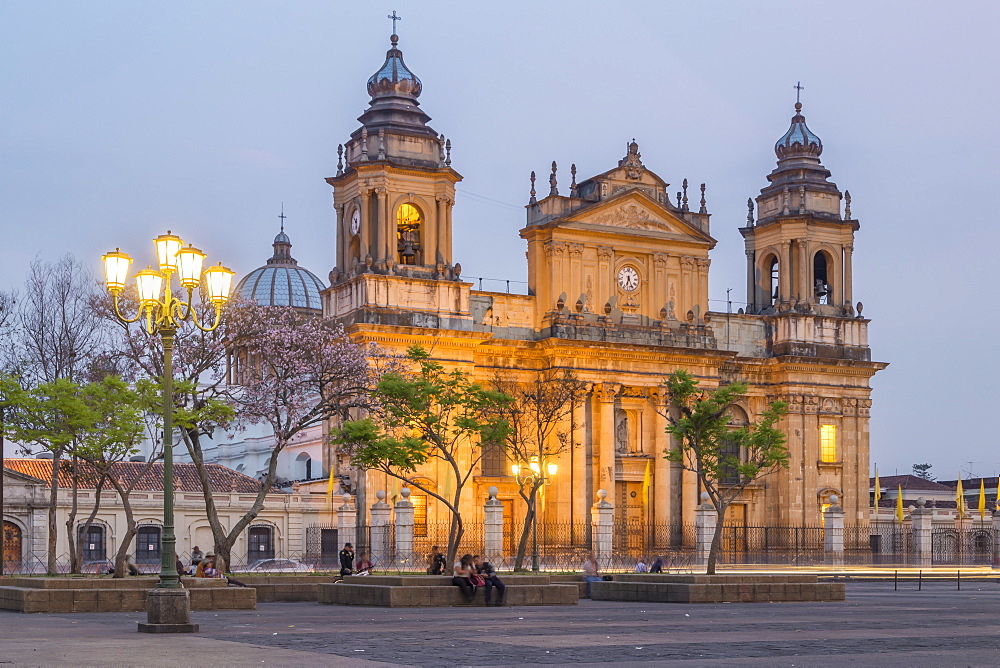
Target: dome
(799, 141)
(393, 78)
(282, 282)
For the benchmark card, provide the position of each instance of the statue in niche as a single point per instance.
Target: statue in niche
(621, 432)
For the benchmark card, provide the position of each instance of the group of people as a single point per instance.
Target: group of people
(470, 573)
(348, 566)
(656, 567)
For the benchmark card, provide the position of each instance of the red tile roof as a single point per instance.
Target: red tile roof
(909, 482)
(223, 480)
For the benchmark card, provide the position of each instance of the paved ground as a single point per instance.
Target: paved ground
(937, 626)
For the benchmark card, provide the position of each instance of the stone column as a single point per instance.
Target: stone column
(404, 531)
(605, 396)
(381, 548)
(753, 296)
(848, 274)
(661, 467)
(387, 225)
(805, 290)
(347, 521)
(922, 521)
(705, 518)
(602, 521)
(833, 532)
(785, 273)
(366, 225)
(440, 230)
(493, 527)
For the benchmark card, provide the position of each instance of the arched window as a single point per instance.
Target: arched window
(93, 543)
(773, 272)
(147, 544)
(823, 292)
(260, 544)
(409, 222)
(303, 467)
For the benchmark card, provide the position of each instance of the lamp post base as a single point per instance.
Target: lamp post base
(168, 611)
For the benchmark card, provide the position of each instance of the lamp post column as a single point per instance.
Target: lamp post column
(169, 579)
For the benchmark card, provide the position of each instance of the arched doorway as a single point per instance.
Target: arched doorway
(261, 543)
(147, 544)
(11, 547)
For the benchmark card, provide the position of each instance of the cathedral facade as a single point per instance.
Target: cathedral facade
(618, 293)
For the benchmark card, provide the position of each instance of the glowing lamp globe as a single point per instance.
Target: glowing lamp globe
(149, 283)
(189, 261)
(116, 265)
(218, 279)
(167, 246)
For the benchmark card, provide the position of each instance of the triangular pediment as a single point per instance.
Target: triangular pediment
(634, 210)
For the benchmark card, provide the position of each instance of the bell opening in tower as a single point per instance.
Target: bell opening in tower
(772, 285)
(822, 285)
(408, 224)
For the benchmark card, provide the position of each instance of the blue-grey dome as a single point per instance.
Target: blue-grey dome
(799, 141)
(282, 282)
(394, 78)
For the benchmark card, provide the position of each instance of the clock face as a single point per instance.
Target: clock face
(628, 279)
(356, 221)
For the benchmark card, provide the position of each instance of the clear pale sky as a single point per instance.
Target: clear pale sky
(121, 119)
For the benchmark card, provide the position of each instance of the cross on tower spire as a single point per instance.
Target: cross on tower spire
(394, 19)
(282, 216)
(798, 89)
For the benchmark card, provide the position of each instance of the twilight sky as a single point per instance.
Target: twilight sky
(122, 119)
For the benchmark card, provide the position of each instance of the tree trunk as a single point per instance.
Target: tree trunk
(120, 568)
(713, 552)
(86, 526)
(51, 565)
(75, 541)
(529, 518)
(457, 526)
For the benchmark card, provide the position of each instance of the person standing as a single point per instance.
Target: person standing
(490, 579)
(347, 559)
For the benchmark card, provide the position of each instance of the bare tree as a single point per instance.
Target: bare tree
(538, 416)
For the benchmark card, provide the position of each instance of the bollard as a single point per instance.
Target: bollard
(895, 580)
(958, 579)
(920, 580)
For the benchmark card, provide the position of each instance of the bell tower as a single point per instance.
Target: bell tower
(395, 188)
(799, 248)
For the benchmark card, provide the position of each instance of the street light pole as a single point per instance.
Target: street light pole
(163, 313)
(531, 474)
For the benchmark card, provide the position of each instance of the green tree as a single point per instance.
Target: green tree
(726, 460)
(923, 471)
(426, 414)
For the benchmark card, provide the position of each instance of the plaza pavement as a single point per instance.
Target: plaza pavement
(875, 626)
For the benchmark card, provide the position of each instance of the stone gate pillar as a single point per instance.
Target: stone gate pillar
(493, 528)
(347, 521)
(705, 519)
(996, 538)
(922, 523)
(833, 532)
(404, 532)
(381, 547)
(602, 522)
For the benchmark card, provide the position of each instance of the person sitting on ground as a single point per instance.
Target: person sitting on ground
(347, 560)
(590, 572)
(657, 566)
(437, 562)
(208, 570)
(490, 579)
(196, 557)
(464, 576)
(364, 565)
(179, 565)
(641, 567)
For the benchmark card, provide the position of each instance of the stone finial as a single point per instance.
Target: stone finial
(601, 494)
(380, 495)
(834, 499)
(921, 501)
(553, 184)
(684, 200)
(847, 205)
(441, 150)
(492, 491)
(340, 159)
(364, 144)
(457, 269)
(749, 212)
(405, 492)
(572, 185)
(346, 498)
(381, 144)
(786, 198)
(704, 497)
(678, 199)
(531, 199)
(703, 209)
(447, 152)
(860, 307)
(802, 199)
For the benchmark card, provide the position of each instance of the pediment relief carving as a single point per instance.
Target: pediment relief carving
(631, 215)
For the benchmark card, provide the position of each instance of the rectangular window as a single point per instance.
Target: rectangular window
(827, 443)
(419, 515)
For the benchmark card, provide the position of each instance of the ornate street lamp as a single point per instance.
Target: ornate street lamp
(530, 474)
(163, 313)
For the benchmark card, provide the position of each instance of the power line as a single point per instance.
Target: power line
(488, 199)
